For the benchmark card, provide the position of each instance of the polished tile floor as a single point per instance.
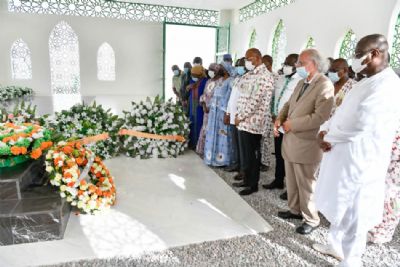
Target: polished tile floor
(161, 204)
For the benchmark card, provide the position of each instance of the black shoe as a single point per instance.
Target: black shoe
(241, 184)
(264, 168)
(238, 177)
(283, 196)
(289, 215)
(248, 191)
(305, 229)
(273, 185)
(231, 169)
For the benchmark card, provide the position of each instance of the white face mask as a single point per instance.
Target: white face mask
(249, 65)
(211, 73)
(357, 65)
(287, 70)
(196, 64)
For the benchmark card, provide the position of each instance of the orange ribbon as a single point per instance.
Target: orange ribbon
(104, 136)
(92, 139)
(152, 136)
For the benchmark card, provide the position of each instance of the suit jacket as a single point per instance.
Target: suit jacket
(306, 116)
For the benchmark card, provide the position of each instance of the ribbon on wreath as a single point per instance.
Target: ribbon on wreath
(104, 136)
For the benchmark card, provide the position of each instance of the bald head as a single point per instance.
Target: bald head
(254, 56)
(253, 52)
(374, 48)
(373, 41)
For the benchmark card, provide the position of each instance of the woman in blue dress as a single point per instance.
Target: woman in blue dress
(218, 147)
(195, 90)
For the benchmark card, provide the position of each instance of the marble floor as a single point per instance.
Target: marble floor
(161, 204)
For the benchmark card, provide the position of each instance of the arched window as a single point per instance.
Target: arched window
(348, 46)
(395, 54)
(310, 43)
(64, 60)
(106, 63)
(21, 64)
(279, 42)
(253, 37)
(64, 67)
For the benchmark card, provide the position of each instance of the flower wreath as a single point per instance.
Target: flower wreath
(157, 118)
(21, 141)
(68, 165)
(84, 120)
(8, 93)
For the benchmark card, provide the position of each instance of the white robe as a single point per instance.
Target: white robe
(352, 174)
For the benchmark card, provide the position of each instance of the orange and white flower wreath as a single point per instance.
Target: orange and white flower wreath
(66, 163)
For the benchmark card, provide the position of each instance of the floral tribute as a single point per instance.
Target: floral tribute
(14, 92)
(165, 121)
(69, 165)
(83, 121)
(20, 142)
(22, 113)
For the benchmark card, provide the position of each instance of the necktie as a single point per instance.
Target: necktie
(305, 86)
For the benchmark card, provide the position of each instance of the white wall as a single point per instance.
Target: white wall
(137, 46)
(325, 20)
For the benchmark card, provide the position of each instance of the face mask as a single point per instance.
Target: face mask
(240, 70)
(195, 79)
(302, 72)
(333, 76)
(287, 70)
(186, 70)
(211, 74)
(176, 72)
(249, 65)
(357, 65)
(196, 64)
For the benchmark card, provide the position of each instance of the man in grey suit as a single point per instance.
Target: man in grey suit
(308, 108)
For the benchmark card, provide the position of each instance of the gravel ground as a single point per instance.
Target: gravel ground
(280, 247)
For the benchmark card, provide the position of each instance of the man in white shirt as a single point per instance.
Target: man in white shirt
(357, 143)
(284, 88)
(231, 114)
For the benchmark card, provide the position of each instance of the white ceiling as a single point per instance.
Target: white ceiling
(201, 4)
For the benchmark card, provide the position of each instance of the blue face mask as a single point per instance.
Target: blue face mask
(195, 79)
(186, 70)
(240, 70)
(176, 72)
(333, 76)
(303, 73)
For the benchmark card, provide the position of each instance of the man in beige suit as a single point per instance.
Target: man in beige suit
(309, 106)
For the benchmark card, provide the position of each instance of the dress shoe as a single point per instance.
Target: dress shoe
(305, 229)
(327, 250)
(240, 184)
(248, 191)
(264, 168)
(289, 215)
(283, 196)
(272, 185)
(238, 177)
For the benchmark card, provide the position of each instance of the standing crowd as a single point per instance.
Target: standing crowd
(333, 129)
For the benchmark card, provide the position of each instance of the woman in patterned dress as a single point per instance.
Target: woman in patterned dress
(214, 81)
(218, 146)
(384, 232)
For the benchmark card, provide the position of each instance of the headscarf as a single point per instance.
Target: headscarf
(229, 68)
(198, 71)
